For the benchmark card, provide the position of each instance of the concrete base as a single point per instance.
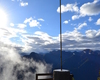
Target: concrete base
(61, 75)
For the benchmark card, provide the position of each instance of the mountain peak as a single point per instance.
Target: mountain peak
(33, 53)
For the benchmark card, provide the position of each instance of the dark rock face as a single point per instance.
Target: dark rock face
(37, 57)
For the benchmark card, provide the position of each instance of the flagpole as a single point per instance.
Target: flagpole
(60, 37)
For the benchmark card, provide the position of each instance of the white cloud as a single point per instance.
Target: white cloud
(21, 25)
(12, 24)
(75, 17)
(44, 36)
(7, 33)
(72, 40)
(68, 7)
(98, 22)
(40, 19)
(87, 9)
(71, 35)
(27, 20)
(39, 42)
(24, 4)
(91, 33)
(78, 41)
(90, 8)
(34, 23)
(66, 22)
(90, 19)
(82, 25)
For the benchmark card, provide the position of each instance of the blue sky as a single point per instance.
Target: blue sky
(34, 25)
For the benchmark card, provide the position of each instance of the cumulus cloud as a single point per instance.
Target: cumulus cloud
(90, 8)
(79, 41)
(32, 22)
(68, 7)
(21, 25)
(75, 17)
(39, 42)
(91, 33)
(87, 9)
(23, 4)
(98, 22)
(66, 22)
(42, 42)
(90, 19)
(72, 40)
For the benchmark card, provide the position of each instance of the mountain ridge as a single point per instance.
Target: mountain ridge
(78, 62)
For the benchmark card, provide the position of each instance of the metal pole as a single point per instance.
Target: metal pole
(60, 37)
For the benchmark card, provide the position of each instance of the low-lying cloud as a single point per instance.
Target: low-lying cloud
(14, 67)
